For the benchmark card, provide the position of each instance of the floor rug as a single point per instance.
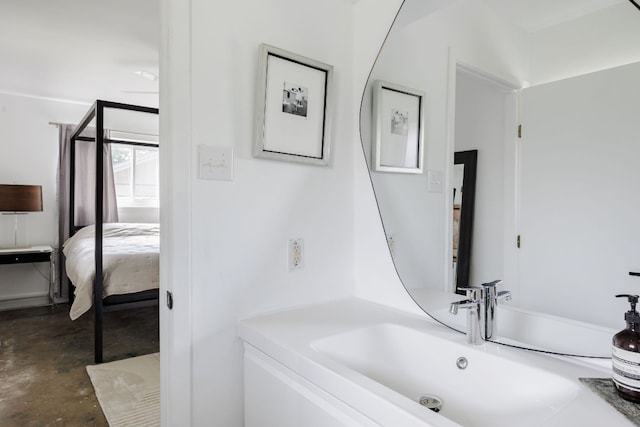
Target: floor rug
(129, 390)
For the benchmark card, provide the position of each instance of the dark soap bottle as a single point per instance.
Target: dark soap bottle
(626, 354)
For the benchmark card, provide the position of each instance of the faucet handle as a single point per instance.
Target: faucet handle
(490, 288)
(473, 292)
(503, 296)
(492, 284)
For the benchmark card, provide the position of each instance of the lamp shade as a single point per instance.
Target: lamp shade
(20, 198)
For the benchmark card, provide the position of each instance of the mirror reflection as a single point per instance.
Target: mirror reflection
(546, 93)
(458, 175)
(464, 196)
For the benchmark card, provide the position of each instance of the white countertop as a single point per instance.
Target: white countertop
(287, 336)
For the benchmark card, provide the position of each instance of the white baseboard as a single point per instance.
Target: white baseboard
(24, 301)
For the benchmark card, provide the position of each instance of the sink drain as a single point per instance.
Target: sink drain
(462, 363)
(432, 402)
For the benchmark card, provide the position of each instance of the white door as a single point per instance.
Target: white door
(578, 194)
(175, 228)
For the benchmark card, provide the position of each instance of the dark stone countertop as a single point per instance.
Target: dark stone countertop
(604, 388)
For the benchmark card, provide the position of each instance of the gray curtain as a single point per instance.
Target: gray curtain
(85, 178)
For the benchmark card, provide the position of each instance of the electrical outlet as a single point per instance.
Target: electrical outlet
(296, 254)
(391, 241)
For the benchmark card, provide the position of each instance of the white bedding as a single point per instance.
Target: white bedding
(130, 261)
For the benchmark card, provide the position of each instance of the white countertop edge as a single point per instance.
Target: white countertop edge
(287, 337)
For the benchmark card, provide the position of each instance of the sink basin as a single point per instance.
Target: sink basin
(490, 391)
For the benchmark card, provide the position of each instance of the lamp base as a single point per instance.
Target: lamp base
(14, 230)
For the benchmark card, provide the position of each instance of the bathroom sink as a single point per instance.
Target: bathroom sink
(476, 388)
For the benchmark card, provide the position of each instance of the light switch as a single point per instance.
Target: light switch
(434, 181)
(215, 163)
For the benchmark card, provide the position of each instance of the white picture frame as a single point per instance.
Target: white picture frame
(293, 108)
(398, 128)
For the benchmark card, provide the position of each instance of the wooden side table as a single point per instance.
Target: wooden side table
(30, 255)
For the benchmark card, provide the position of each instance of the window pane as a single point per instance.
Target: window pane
(122, 164)
(146, 173)
(137, 175)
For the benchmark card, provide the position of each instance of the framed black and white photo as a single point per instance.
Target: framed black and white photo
(398, 128)
(293, 108)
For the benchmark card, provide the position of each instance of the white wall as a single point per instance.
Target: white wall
(29, 155)
(240, 229)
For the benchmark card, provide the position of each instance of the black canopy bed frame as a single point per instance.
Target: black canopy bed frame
(112, 302)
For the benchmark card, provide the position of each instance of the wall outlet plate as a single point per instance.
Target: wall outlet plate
(295, 252)
(391, 242)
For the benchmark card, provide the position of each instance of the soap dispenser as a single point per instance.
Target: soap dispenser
(626, 354)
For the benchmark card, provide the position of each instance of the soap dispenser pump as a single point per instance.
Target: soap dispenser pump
(626, 354)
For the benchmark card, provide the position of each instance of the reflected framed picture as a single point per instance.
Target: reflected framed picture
(398, 128)
(293, 108)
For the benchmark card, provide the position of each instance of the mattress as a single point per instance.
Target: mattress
(130, 262)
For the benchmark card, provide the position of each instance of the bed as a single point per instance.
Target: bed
(111, 266)
(130, 262)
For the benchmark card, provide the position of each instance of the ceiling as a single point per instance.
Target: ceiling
(530, 15)
(83, 50)
(80, 50)
(536, 15)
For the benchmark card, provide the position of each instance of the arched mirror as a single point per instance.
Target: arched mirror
(546, 95)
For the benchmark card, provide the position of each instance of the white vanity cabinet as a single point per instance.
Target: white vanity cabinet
(275, 396)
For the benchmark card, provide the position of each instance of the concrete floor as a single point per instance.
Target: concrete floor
(43, 355)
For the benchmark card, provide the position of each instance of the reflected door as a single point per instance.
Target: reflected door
(464, 200)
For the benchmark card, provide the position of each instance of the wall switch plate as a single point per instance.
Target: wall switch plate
(215, 163)
(296, 254)
(434, 181)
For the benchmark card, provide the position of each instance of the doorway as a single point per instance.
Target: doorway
(485, 122)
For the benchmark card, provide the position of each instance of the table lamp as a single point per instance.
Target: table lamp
(19, 200)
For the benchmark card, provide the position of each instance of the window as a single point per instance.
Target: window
(136, 173)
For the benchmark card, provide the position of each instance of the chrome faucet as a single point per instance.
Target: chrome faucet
(481, 304)
(473, 303)
(491, 298)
